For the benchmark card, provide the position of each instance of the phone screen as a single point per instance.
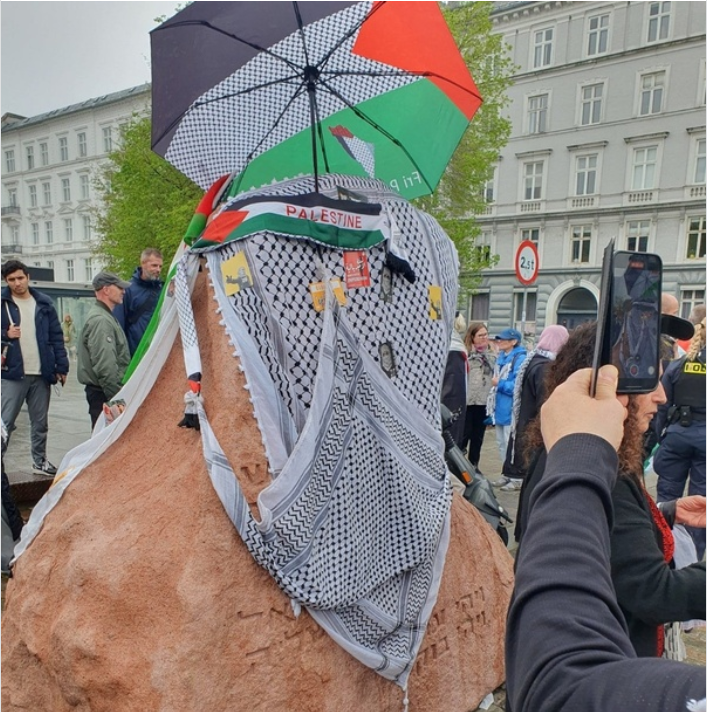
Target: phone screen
(634, 320)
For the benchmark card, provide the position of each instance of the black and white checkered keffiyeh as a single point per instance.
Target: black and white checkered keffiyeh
(355, 523)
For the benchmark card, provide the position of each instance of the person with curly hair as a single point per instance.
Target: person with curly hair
(650, 590)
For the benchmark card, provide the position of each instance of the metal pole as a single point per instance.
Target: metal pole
(523, 313)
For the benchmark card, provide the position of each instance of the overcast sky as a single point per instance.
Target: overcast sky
(59, 53)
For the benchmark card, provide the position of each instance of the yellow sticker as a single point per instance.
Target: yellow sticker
(435, 297)
(316, 289)
(338, 289)
(695, 367)
(236, 274)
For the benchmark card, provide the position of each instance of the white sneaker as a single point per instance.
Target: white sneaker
(501, 481)
(512, 485)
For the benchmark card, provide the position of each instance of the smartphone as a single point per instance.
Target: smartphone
(628, 321)
(634, 320)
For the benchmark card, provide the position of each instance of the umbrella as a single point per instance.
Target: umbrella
(272, 90)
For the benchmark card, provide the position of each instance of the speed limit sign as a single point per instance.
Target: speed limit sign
(527, 262)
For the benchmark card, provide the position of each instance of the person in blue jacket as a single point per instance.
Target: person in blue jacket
(33, 358)
(141, 297)
(500, 402)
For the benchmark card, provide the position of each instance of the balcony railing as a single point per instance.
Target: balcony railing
(643, 196)
(10, 210)
(14, 249)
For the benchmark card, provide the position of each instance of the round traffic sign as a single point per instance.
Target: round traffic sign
(527, 262)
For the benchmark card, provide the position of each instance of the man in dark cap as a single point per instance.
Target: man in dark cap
(103, 354)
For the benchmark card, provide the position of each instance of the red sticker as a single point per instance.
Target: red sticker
(356, 269)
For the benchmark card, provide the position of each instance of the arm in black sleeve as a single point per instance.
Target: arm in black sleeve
(567, 647)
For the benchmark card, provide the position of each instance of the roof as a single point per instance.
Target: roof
(11, 125)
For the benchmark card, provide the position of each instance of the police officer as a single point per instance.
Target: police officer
(680, 425)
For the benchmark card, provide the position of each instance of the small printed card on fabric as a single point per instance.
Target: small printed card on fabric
(435, 302)
(236, 274)
(386, 285)
(386, 354)
(318, 292)
(356, 270)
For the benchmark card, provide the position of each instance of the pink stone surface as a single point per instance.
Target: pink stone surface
(139, 595)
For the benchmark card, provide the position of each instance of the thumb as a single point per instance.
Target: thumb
(607, 380)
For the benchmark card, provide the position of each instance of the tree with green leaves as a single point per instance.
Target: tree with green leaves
(146, 202)
(460, 194)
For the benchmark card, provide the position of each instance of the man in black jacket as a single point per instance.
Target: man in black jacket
(567, 647)
(34, 358)
(141, 297)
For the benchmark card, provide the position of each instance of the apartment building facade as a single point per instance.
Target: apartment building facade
(49, 166)
(608, 141)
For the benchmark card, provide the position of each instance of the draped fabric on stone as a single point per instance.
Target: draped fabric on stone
(355, 524)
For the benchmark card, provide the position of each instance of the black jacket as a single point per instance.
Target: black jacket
(138, 305)
(650, 592)
(567, 647)
(50, 338)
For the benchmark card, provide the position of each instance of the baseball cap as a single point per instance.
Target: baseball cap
(104, 279)
(509, 334)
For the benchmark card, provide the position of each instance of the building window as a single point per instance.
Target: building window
(35, 233)
(530, 233)
(10, 160)
(700, 161)
(63, 149)
(533, 180)
(49, 231)
(530, 310)
(652, 93)
(479, 307)
(598, 35)
(32, 196)
(542, 56)
(82, 145)
(15, 234)
(591, 104)
(581, 242)
(50, 264)
(107, 139)
(586, 179)
(68, 229)
(70, 270)
(47, 193)
(637, 233)
(658, 21)
(86, 227)
(44, 153)
(537, 114)
(66, 189)
(696, 238)
(88, 268)
(30, 157)
(644, 168)
(689, 299)
(12, 197)
(482, 249)
(83, 183)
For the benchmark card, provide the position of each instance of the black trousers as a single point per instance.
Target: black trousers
(96, 398)
(474, 431)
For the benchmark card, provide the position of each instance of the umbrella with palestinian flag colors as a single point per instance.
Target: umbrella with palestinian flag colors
(265, 91)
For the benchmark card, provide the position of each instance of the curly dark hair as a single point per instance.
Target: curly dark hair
(575, 354)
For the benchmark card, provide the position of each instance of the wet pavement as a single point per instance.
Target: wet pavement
(70, 425)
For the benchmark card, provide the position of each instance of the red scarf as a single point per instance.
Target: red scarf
(668, 552)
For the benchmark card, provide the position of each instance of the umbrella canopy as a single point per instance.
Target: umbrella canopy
(271, 90)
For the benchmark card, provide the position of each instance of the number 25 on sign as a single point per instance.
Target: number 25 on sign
(527, 262)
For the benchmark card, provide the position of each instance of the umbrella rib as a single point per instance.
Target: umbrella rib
(204, 23)
(378, 128)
